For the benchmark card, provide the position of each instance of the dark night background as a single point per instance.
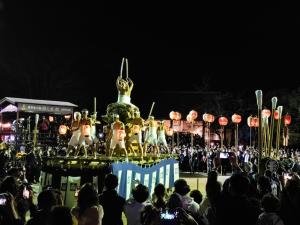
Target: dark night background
(183, 57)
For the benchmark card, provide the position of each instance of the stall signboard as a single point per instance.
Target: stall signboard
(35, 108)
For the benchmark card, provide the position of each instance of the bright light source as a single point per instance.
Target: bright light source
(94, 163)
(6, 125)
(67, 117)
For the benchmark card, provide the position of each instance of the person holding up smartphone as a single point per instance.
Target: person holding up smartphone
(8, 212)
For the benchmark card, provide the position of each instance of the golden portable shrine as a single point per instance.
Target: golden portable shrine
(130, 149)
(126, 135)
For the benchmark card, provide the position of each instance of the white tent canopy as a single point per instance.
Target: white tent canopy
(9, 108)
(11, 104)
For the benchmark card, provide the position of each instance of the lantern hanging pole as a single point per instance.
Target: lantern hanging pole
(192, 136)
(151, 109)
(266, 135)
(279, 108)
(274, 103)
(259, 96)
(236, 137)
(35, 131)
(207, 153)
(173, 139)
(250, 137)
(287, 121)
(222, 136)
(178, 137)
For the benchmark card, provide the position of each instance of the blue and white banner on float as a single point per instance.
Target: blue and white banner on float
(130, 174)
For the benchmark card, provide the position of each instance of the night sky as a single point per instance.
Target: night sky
(179, 55)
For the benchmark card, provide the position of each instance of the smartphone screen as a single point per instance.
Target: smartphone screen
(167, 215)
(223, 155)
(76, 192)
(168, 218)
(25, 193)
(2, 200)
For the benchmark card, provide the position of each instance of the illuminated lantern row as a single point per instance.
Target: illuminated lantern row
(223, 121)
(252, 121)
(189, 118)
(287, 119)
(249, 121)
(178, 116)
(265, 113)
(209, 118)
(236, 118)
(172, 115)
(255, 121)
(193, 114)
(175, 115)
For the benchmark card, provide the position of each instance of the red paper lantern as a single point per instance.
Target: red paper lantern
(172, 115)
(223, 121)
(266, 113)
(276, 115)
(62, 130)
(189, 118)
(236, 118)
(287, 119)
(193, 114)
(255, 121)
(250, 121)
(209, 118)
(177, 116)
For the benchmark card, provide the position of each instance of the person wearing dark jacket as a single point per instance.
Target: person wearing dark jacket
(111, 202)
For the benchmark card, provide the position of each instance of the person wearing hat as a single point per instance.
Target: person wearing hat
(118, 135)
(151, 135)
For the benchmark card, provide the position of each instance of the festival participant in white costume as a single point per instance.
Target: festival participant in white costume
(151, 135)
(161, 136)
(136, 125)
(94, 138)
(85, 127)
(75, 128)
(118, 135)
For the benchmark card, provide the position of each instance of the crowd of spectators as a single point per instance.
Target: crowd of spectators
(272, 198)
(244, 198)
